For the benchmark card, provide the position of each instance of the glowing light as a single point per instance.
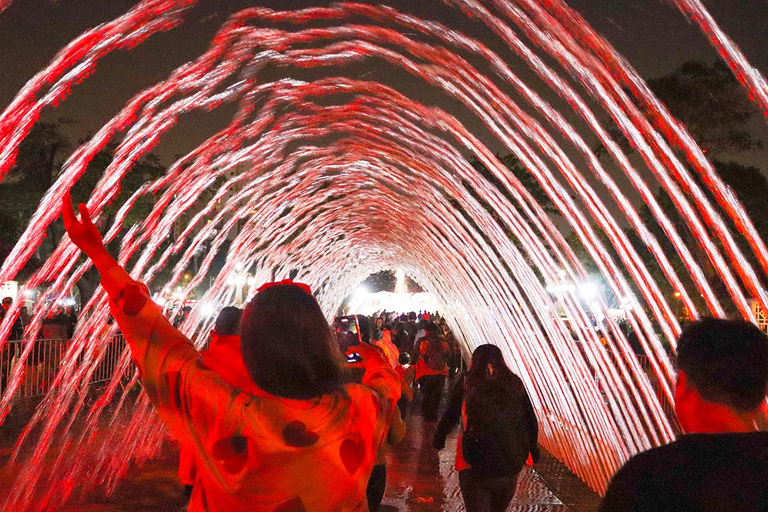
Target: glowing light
(207, 309)
(588, 290)
(401, 285)
(9, 289)
(597, 311)
(370, 303)
(628, 302)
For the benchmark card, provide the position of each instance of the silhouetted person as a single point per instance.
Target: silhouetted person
(410, 330)
(407, 373)
(5, 306)
(10, 349)
(70, 318)
(17, 330)
(499, 431)
(455, 359)
(24, 315)
(383, 340)
(183, 314)
(431, 371)
(400, 337)
(721, 462)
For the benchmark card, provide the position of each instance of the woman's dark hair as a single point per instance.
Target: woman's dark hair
(288, 347)
(228, 321)
(478, 368)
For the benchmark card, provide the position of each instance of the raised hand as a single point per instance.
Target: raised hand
(82, 233)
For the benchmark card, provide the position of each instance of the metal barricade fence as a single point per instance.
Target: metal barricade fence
(43, 363)
(39, 368)
(108, 364)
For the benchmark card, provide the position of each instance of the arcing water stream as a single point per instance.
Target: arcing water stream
(336, 178)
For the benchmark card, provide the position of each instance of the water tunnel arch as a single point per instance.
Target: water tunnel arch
(377, 180)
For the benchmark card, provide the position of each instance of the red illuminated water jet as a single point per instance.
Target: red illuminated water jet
(336, 178)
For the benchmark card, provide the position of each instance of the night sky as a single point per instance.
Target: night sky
(653, 35)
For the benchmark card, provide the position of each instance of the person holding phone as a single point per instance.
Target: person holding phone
(305, 439)
(377, 482)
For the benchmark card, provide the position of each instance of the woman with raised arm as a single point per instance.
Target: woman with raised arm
(304, 440)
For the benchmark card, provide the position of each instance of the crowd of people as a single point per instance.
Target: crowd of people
(292, 425)
(57, 327)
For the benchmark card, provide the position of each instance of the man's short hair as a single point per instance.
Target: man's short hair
(7, 300)
(726, 361)
(228, 321)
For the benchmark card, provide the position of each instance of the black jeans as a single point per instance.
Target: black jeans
(484, 493)
(454, 364)
(402, 404)
(377, 484)
(431, 392)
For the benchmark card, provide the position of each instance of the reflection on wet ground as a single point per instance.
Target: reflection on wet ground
(420, 479)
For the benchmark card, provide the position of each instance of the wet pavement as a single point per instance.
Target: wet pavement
(422, 479)
(419, 479)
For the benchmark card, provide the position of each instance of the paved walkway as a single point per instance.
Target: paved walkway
(419, 479)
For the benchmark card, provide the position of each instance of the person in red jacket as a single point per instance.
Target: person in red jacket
(224, 356)
(431, 371)
(305, 439)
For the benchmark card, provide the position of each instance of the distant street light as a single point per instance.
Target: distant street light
(207, 309)
(588, 291)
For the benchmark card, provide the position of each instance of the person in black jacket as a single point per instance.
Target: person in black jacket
(17, 331)
(721, 461)
(499, 427)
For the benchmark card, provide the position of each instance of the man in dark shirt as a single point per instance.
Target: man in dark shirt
(17, 331)
(721, 463)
